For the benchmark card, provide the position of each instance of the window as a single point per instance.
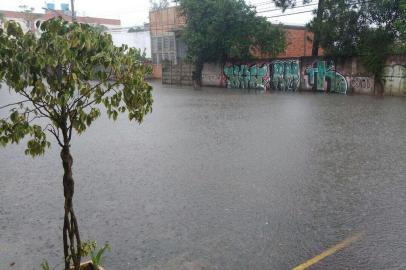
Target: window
(166, 43)
(154, 58)
(159, 44)
(154, 45)
(163, 48)
(172, 43)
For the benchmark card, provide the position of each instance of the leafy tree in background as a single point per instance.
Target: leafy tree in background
(62, 78)
(364, 28)
(158, 4)
(400, 25)
(346, 25)
(219, 30)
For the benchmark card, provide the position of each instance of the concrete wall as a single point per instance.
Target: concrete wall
(321, 74)
(340, 76)
(347, 75)
(394, 75)
(181, 74)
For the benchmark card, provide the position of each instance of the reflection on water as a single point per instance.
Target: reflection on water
(221, 179)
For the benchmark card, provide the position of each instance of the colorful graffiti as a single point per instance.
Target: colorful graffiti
(286, 75)
(247, 77)
(394, 78)
(324, 77)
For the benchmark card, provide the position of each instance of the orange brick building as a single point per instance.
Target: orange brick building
(299, 43)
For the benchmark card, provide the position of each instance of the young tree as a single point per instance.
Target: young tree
(219, 30)
(62, 78)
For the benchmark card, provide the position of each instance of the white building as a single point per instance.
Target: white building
(139, 39)
(28, 20)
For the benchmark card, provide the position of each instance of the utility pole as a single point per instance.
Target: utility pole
(316, 35)
(72, 4)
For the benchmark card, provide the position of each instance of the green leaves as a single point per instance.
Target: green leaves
(98, 256)
(219, 30)
(67, 75)
(345, 25)
(88, 248)
(284, 4)
(17, 127)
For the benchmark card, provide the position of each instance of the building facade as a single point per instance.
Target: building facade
(28, 20)
(166, 42)
(299, 43)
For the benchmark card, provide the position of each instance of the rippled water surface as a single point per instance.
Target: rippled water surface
(221, 179)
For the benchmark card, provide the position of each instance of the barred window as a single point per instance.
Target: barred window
(172, 43)
(159, 43)
(166, 43)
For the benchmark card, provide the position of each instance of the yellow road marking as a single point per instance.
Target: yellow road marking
(345, 243)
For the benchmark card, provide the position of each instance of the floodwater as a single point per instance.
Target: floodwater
(221, 179)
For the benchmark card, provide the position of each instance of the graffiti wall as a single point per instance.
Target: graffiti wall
(247, 76)
(341, 76)
(323, 76)
(285, 75)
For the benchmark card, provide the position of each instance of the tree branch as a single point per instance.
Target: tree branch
(12, 104)
(105, 92)
(56, 134)
(90, 90)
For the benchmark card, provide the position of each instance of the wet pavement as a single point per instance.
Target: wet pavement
(221, 179)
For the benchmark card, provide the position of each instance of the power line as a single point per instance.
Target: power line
(263, 3)
(288, 14)
(278, 9)
(301, 12)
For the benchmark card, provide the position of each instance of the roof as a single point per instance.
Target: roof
(58, 13)
(296, 27)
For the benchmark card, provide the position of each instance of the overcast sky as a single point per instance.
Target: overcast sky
(135, 12)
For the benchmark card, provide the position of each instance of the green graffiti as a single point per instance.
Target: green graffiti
(246, 77)
(286, 75)
(326, 72)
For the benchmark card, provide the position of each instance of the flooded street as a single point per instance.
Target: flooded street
(221, 179)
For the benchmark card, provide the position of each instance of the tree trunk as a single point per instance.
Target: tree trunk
(316, 34)
(71, 238)
(197, 75)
